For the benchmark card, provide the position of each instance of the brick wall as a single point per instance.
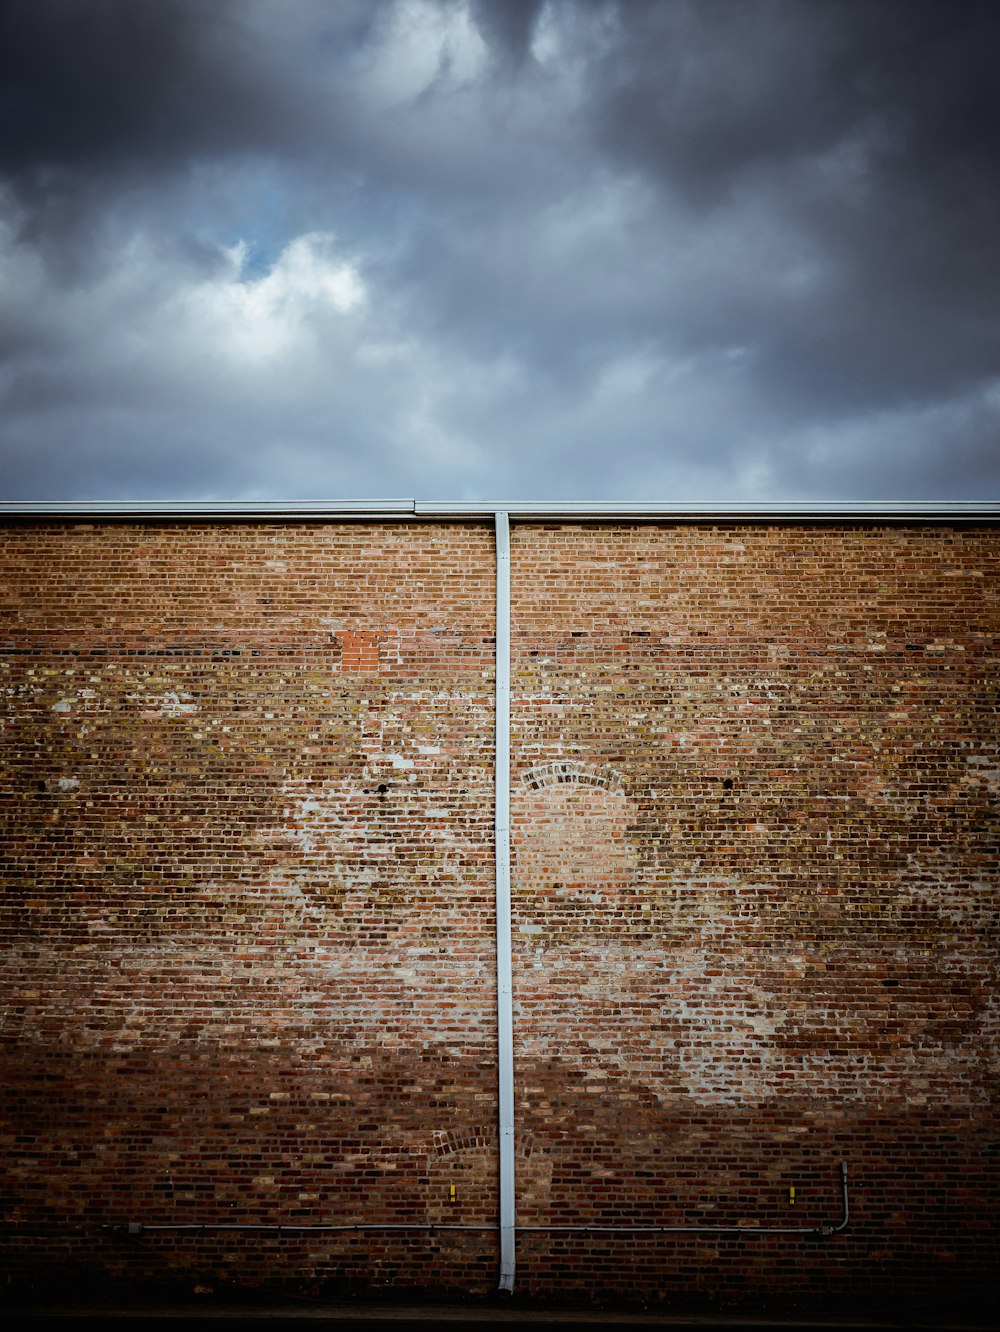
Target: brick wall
(247, 925)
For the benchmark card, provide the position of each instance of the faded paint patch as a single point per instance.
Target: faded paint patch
(171, 703)
(693, 991)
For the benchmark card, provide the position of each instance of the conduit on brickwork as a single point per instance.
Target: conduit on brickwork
(505, 1002)
(828, 1229)
(138, 1228)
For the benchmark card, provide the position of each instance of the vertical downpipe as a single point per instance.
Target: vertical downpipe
(505, 1010)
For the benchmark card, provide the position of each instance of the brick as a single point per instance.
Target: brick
(247, 925)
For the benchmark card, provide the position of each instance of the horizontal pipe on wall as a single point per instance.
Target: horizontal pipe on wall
(139, 1228)
(285, 1228)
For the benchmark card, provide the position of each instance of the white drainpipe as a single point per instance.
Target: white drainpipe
(505, 1011)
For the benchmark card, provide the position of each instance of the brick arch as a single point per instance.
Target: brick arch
(571, 834)
(448, 1142)
(571, 772)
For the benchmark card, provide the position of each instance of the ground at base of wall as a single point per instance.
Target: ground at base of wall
(250, 1310)
(451, 1318)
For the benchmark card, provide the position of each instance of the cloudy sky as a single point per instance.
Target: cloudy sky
(515, 249)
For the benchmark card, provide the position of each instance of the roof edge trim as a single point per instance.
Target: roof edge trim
(209, 510)
(962, 510)
(390, 510)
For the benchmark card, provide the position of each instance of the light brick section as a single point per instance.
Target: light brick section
(247, 921)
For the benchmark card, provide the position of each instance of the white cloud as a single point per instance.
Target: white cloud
(421, 43)
(257, 319)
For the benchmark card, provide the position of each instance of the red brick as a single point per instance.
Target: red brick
(247, 925)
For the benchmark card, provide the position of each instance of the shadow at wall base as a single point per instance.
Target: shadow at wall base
(62, 1291)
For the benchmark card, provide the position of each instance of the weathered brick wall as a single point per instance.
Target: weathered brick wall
(248, 923)
(756, 909)
(248, 911)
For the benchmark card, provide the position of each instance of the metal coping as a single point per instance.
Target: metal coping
(396, 510)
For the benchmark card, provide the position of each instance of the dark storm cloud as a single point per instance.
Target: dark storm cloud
(507, 24)
(703, 91)
(875, 130)
(665, 247)
(109, 85)
(108, 106)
